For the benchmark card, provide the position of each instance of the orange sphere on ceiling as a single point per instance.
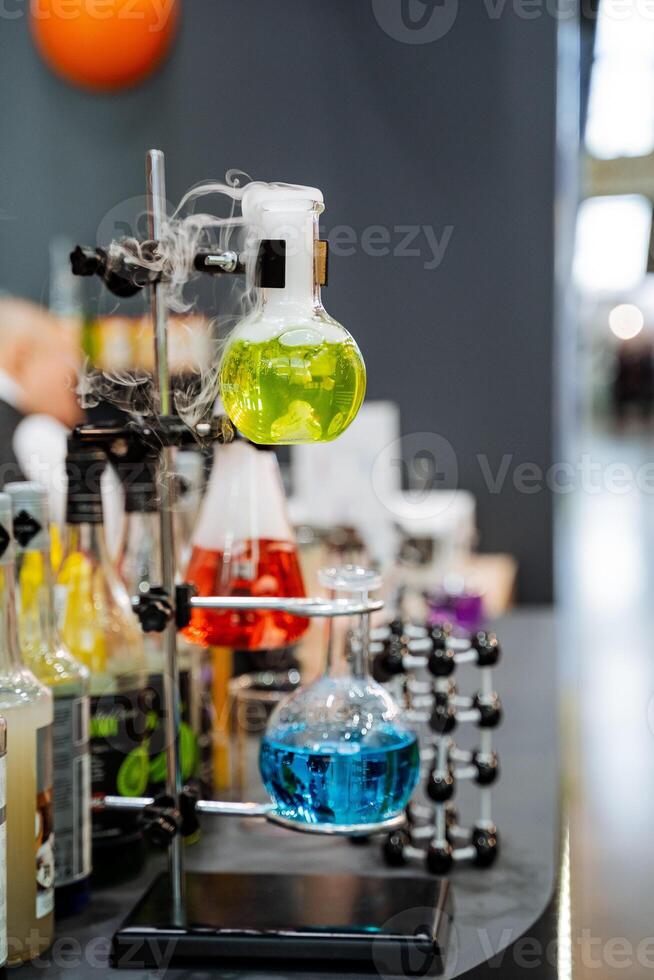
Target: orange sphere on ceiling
(104, 44)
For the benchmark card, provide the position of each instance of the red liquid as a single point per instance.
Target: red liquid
(260, 568)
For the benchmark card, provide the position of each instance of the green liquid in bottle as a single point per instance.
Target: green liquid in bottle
(278, 393)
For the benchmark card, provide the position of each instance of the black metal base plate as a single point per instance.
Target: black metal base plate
(395, 924)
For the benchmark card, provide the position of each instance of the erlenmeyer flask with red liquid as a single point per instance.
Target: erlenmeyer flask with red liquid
(243, 545)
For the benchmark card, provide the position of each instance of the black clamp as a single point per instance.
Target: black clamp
(130, 267)
(183, 595)
(188, 801)
(135, 440)
(155, 608)
(163, 821)
(124, 273)
(270, 269)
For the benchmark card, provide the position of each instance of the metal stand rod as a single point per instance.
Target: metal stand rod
(156, 203)
(313, 607)
(220, 808)
(215, 808)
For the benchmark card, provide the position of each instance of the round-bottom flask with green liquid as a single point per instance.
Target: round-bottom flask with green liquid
(297, 387)
(290, 373)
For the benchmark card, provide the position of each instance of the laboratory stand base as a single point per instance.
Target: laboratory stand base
(393, 924)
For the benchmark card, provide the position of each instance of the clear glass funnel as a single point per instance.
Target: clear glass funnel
(243, 545)
(338, 755)
(290, 373)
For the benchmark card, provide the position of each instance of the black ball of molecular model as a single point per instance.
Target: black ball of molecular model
(422, 662)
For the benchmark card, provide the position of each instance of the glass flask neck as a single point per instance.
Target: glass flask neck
(358, 652)
(10, 658)
(37, 621)
(353, 658)
(244, 499)
(139, 553)
(89, 539)
(299, 230)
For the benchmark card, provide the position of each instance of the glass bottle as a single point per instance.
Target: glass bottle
(26, 706)
(3, 848)
(98, 625)
(189, 471)
(338, 754)
(138, 557)
(243, 545)
(44, 653)
(139, 565)
(290, 373)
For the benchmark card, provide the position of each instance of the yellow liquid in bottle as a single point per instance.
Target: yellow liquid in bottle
(277, 393)
(55, 668)
(80, 629)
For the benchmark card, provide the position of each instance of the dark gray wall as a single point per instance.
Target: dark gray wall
(456, 132)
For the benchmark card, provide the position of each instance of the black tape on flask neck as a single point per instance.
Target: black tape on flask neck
(84, 468)
(271, 264)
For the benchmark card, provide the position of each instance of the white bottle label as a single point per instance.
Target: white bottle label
(44, 824)
(72, 790)
(3, 860)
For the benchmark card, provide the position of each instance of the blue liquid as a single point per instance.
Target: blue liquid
(339, 782)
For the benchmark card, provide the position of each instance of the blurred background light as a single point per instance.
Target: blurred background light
(612, 243)
(626, 321)
(621, 106)
(621, 109)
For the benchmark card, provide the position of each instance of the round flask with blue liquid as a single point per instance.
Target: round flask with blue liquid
(338, 754)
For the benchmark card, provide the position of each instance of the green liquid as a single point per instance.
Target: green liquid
(281, 393)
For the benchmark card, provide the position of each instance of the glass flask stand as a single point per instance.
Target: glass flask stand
(206, 917)
(347, 918)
